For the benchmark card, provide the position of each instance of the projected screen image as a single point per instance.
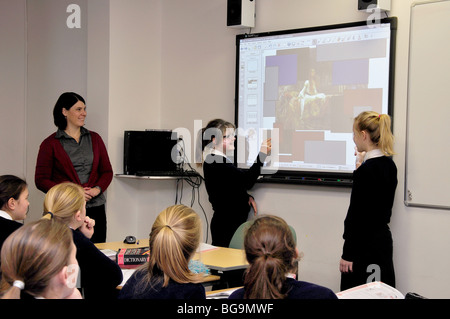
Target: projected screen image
(303, 89)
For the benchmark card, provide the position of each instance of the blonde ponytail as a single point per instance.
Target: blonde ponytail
(63, 201)
(386, 137)
(378, 126)
(174, 238)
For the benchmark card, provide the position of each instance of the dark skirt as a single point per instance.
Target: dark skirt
(373, 264)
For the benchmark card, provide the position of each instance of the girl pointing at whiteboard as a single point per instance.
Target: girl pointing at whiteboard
(225, 183)
(367, 252)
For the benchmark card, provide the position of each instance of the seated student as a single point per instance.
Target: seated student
(38, 260)
(272, 254)
(174, 238)
(100, 275)
(13, 204)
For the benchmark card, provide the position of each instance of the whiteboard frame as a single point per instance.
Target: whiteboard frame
(407, 194)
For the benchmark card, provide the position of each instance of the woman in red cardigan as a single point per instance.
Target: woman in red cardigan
(75, 154)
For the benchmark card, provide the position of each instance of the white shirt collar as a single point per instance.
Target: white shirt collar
(291, 275)
(5, 215)
(209, 151)
(373, 154)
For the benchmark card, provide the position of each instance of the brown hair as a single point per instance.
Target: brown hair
(378, 126)
(215, 129)
(10, 187)
(65, 101)
(174, 238)
(270, 249)
(63, 201)
(34, 254)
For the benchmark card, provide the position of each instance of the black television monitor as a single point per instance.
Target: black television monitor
(303, 88)
(149, 151)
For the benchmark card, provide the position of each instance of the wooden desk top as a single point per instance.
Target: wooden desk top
(223, 259)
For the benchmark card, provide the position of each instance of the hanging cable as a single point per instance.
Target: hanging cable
(193, 179)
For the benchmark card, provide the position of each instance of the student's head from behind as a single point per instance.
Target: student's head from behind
(174, 238)
(271, 251)
(375, 129)
(65, 203)
(63, 105)
(40, 257)
(14, 196)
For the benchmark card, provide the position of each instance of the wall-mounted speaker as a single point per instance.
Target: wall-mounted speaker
(241, 13)
(384, 5)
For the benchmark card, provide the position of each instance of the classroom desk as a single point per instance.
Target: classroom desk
(223, 259)
(220, 260)
(116, 245)
(217, 258)
(228, 263)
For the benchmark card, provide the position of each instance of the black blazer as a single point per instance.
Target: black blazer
(99, 275)
(366, 229)
(7, 227)
(227, 185)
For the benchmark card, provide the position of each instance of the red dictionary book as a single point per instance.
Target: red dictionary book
(132, 257)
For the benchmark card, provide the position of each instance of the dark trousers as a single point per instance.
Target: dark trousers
(223, 226)
(98, 213)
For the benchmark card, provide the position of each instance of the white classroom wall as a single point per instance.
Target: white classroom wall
(172, 62)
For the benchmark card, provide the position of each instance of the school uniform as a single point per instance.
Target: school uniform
(227, 187)
(7, 226)
(368, 239)
(296, 290)
(135, 288)
(100, 276)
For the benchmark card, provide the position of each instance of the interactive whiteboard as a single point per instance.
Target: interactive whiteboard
(303, 88)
